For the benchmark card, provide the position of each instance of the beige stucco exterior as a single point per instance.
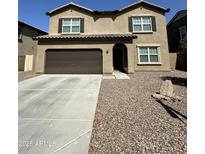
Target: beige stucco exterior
(173, 60)
(27, 47)
(110, 24)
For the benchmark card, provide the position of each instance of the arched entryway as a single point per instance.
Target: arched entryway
(120, 57)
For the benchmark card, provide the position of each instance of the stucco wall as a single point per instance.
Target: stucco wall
(103, 45)
(26, 45)
(107, 48)
(105, 24)
(173, 60)
(112, 24)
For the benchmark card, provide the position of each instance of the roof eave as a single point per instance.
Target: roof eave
(107, 12)
(21, 22)
(145, 2)
(103, 37)
(66, 5)
(168, 9)
(179, 12)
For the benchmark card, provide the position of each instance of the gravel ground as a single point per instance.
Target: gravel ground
(129, 120)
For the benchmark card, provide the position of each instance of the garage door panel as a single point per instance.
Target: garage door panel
(59, 70)
(73, 62)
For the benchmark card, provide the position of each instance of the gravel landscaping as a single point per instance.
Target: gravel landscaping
(129, 120)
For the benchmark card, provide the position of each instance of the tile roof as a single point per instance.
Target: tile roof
(145, 2)
(108, 12)
(71, 3)
(180, 14)
(23, 23)
(89, 36)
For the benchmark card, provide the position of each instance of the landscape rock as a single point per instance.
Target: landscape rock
(167, 89)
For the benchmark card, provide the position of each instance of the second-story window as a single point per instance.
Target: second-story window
(183, 33)
(71, 25)
(142, 24)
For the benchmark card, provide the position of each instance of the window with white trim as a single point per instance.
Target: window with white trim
(142, 24)
(149, 55)
(71, 25)
(183, 33)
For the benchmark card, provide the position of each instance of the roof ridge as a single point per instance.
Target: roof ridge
(70, 3)
(142, 1)
(126, 7)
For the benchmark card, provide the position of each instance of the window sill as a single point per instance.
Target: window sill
(145, 32)
(77, 33)
(152, 63)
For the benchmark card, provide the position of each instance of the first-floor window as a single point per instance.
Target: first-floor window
(148, 54)
(71, 25)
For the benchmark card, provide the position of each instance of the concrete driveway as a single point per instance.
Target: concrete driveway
(56, 113)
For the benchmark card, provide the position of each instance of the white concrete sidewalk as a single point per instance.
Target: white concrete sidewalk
(116, 75)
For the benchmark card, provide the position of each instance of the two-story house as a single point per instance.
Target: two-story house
(177, 40)
(82, 40)
(27, 46)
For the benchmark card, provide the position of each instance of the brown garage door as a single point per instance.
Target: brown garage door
(81, 61)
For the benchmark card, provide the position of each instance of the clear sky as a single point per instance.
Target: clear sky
(33, 12)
